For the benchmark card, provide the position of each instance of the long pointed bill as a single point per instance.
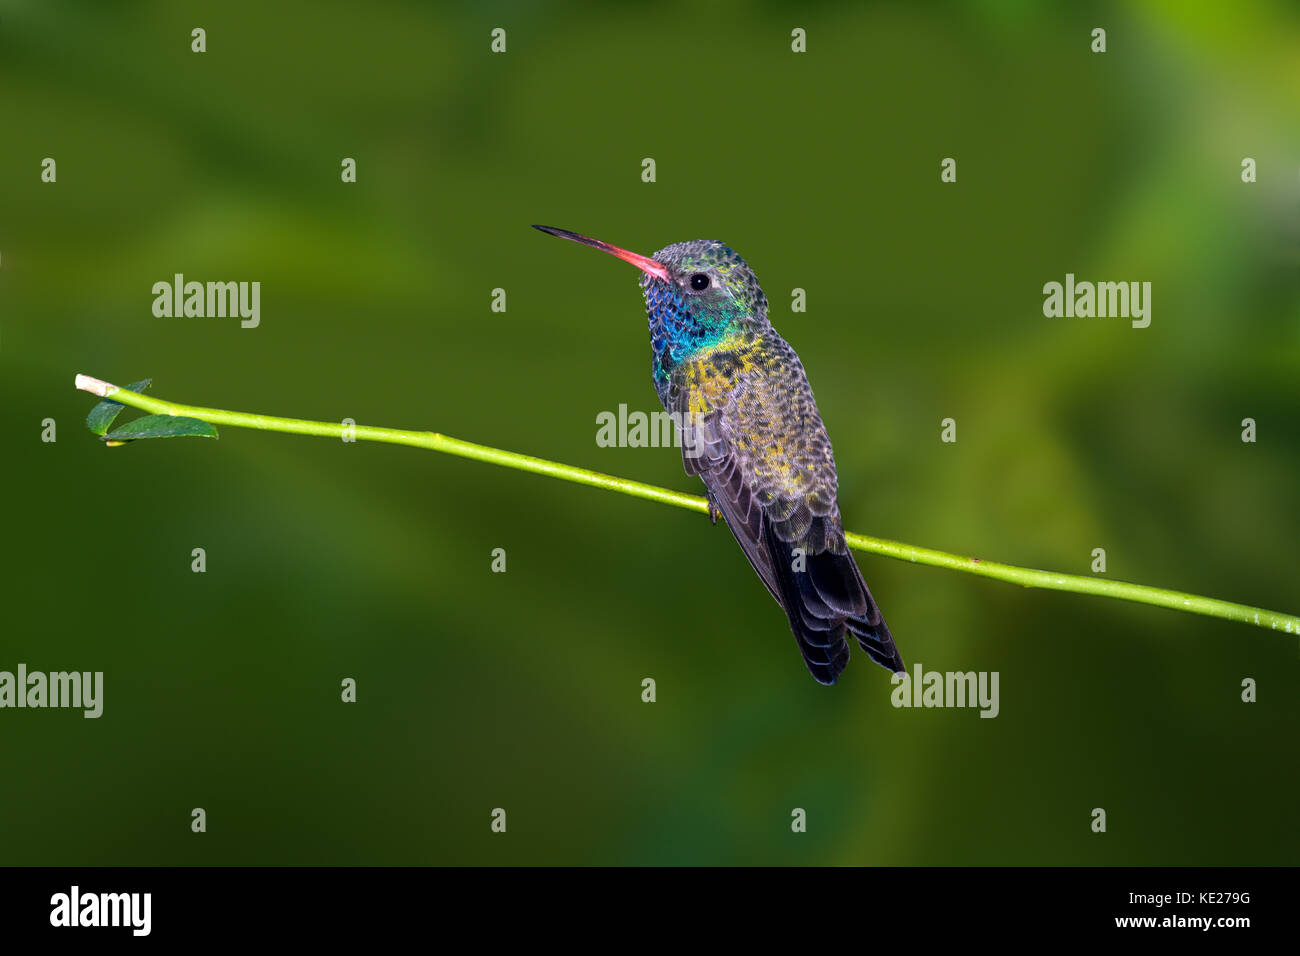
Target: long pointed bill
(646, 265)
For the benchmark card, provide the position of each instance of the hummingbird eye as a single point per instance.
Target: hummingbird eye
(699, 282)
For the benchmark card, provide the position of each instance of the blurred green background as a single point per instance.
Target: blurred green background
(522, 690)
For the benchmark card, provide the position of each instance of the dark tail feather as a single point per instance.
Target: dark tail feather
(877, 642)
(824, 600)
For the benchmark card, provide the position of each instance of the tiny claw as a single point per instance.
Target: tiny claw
(714, 511)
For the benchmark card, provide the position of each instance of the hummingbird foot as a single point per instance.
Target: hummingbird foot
(714, 511)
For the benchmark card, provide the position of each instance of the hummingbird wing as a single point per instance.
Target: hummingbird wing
(752, 432)
(706, 453)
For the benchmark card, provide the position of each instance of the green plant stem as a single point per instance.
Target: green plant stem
(1026, 577)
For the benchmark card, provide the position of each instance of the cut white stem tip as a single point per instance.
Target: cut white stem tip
(95, 386)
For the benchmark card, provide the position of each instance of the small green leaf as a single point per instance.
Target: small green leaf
(103, 414)
(162, 426)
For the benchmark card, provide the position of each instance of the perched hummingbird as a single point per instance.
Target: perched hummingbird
(751, 431)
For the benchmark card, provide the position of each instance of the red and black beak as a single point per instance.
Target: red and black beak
(647, 265)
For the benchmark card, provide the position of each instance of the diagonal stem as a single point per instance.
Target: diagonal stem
(1026, 577)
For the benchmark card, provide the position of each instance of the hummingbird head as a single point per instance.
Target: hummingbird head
(709, 280)
(698, 295)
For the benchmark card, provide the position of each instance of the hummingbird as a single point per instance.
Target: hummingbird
(752, 433)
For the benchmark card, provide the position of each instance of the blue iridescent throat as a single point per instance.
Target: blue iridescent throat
(681, 328)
